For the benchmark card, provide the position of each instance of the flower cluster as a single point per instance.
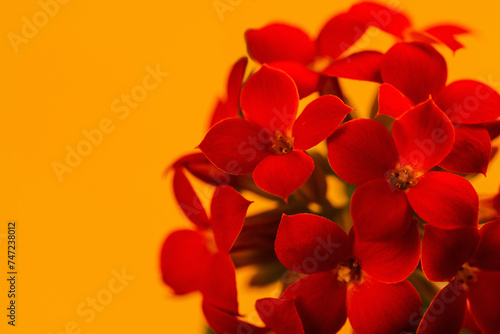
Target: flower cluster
(413, 248)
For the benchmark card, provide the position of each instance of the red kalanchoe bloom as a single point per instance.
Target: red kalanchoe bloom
(365, 65)
(198, 260)
(399, 25)
(470, 260)
(287, 48)
(364, 281)
(394, 174)
(292, 50)
(270, 141)
(412, 72)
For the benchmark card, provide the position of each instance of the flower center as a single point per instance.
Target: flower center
(466, 274)
(281, 144)
(403, 177)
(349, 271)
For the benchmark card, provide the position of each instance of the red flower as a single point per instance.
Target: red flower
(270, 141)
(198, 260)
(287, 48)
(394, 174)
(399, 25)
(364, 281)
(292, 50)
(469, 258)
(365, 65)
(412, 72)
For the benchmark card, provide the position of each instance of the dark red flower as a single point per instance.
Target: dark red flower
(364, 281)
(270, 141)
(413, 71)
(468, 258)
(394, 175)
(198, 259)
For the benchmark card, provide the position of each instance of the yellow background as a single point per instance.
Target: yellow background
(114, 209)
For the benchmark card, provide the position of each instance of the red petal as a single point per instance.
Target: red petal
(207, 172)
(235, 145)
(280, 315)
(184, 256)
(320, 302)
(230, 108)
(484, 300)
(416, 69)
(221, 111)
(339, 34)
(227, 220)
(381, 17)
(424, 136)
(445, 251)
(318, 121)
(219, 284)
(496, 202)
(307, 243)
(277, 41)
(305, 79)
(446, 34)
(374, 307)
(364, 65)
(392, 102)
(223, 322)
(281, 175)
(198, 165)
(234, 84)
(487, 253)
(413, 35)
(187, 159)
(435, 200)
(379, 211)
(471, 151)
(469, 102)
(446, 311)
(390, 261)
(270, 99)
(493, 128)
(361, 150)
(188, 200)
